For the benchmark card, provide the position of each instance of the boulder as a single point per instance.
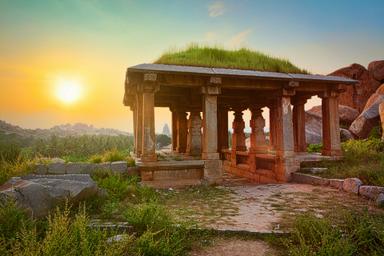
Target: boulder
(38, 194)
(345, 135)
(346, 114)
(381, 112)
(369, 117)
(119, 167)
(313, 128)
(376, 70)
(352, 185)
(356, 96)
(371, 192)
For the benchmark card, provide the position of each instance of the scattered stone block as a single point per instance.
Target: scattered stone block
(352, 185)
(371, 192)
(314, 170)
(56, 168)
(119, 167)
(336, 183)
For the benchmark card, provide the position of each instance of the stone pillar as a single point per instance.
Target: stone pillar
(134, 121)
(139, 124)
(331, 129)
(238, 136)
(212, 163)
(272, 124)
(222, 124)
(194, 134)
(182, 131)
(257, 124)
(174, 130)
(284, 143)
(149, 137)
(298, 115)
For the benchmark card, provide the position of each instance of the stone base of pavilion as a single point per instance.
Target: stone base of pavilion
(180, 170)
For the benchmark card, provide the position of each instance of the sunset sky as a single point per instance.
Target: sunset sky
(89, 45)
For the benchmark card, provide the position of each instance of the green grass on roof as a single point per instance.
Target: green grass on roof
(243, 58)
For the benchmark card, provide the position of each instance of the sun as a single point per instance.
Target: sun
(68, 91)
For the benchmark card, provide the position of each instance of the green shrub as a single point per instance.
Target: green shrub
(314, 148)
(113, 155)
(130, 161)
(96, 159)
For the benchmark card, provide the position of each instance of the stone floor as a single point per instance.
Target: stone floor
(264, 208)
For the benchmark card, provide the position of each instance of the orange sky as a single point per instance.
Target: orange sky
(95, 41)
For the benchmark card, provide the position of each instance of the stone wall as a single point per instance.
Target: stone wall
(84, 168)
(350, 185)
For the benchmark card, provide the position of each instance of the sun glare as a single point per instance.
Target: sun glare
(68, 91)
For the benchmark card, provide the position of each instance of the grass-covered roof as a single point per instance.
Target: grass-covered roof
(243, 58)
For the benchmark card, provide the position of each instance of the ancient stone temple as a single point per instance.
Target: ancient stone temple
(200, 99)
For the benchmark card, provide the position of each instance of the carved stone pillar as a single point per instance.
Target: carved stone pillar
(222, 123)
(194, 134)
(149, 138)
(284, 143)
(212, 163)
(182, 131)
(331, 128)
(257, 124)
(174, 130)
(298, 116)
(133, 108)
(238, 136)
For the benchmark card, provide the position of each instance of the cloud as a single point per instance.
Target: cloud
(216, 9)
(240, 38)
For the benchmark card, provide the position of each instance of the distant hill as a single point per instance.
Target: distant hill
(58, 130)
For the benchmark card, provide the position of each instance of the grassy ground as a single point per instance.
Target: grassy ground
(204, 56)
(362, 158)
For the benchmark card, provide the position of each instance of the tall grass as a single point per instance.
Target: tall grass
(343, 233)
(196, 55)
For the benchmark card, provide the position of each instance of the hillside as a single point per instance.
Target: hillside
(58, 130)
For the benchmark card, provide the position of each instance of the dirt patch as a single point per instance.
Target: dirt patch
(235, 247)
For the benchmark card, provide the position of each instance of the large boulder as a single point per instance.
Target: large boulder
(313, 128)
(381, 111)
(347, 114)
(376, 70)
(370, 116)
(38, 194)
(356, 96)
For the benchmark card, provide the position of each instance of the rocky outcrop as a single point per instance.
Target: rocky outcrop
(370, 116)
(38, 194)
(357, 96)
(381, 112)
(376, 70)
(346, 114)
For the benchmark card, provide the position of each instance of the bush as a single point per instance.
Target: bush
(314, 148)
(113, 155)
(17, 168)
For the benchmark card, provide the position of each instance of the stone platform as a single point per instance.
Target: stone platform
(171, 174)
